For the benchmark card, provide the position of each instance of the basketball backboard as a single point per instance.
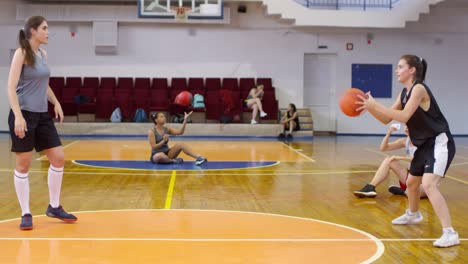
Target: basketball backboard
(181, 9)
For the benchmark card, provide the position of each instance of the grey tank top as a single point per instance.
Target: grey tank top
(158, 139)
(32, 86)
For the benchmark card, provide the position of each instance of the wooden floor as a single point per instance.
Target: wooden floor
(314, 180)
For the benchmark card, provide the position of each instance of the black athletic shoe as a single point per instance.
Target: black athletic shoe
(366, 191)
(178, 161)
(26, 222)
(396, 190)
(280, 136)
(200, 160)
(60, 214)
(289, 136)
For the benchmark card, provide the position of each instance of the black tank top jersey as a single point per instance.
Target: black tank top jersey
(295, 119)
(424, 125)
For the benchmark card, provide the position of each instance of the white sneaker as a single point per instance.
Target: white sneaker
(253, 122)
(408, 218)
(448, 239)
(263, 114)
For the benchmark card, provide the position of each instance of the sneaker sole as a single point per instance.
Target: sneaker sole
(365, 195)
(25, 228)
(446, 246)
(399, 194)
(410, 223)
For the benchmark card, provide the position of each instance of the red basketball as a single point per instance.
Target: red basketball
(183, 98)
(348, 101)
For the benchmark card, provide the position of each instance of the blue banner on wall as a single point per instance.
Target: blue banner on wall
(376, 78)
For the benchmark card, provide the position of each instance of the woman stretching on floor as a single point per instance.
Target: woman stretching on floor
(158, 137)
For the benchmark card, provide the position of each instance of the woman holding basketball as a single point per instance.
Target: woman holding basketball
(30, 125)
(430, 133)
(158, 138)
(254, 102)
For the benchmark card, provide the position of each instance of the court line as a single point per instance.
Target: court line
(461, 157)
(64, 147)
(456, 179)
(166, 173)
(300, 154)
(195, 239)
(446, 176)
(383, 154)
(133, 169)
(458, 164)
(376, 152)
(380, 246)
(413, 239)
(226, 239)
(170, 191)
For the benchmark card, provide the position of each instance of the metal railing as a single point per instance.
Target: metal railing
(342, 4)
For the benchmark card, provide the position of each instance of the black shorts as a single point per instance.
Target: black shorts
(41, 133)
(296, 126)
(434, 156)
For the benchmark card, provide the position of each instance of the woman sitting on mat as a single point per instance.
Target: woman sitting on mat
(158, 138)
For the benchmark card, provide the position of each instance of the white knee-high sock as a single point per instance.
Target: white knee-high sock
(55, 184)
(22, 191)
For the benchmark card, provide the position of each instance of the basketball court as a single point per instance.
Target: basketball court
(258, 199)
(286, 203)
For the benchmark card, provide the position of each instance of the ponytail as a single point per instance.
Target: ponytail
(421, 76)
(25, 34)
(30, 59)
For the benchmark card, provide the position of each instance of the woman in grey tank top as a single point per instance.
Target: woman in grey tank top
(158, 138)
(30, 125)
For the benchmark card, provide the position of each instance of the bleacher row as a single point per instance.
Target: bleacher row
(100, 96)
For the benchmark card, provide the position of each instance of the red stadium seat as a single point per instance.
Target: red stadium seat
(56, 84)
(108, 83)
(266, 82)
(159, 83)
(213, 84)
(159, 100)
(71, 89)
(245, 84)
(179, 84)
(142, 83)
(104, 103)
(91, 82)
(230, 84)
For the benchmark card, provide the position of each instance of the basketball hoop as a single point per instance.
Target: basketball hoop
(180, 12)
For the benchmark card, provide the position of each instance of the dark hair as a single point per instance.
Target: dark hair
(419, 64)
(154, 116)
(293, 106)
(25, 34)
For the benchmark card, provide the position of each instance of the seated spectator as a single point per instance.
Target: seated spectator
(290, 122)
(254, 102)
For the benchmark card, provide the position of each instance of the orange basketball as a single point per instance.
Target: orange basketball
(348, 101)
(183, 98)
